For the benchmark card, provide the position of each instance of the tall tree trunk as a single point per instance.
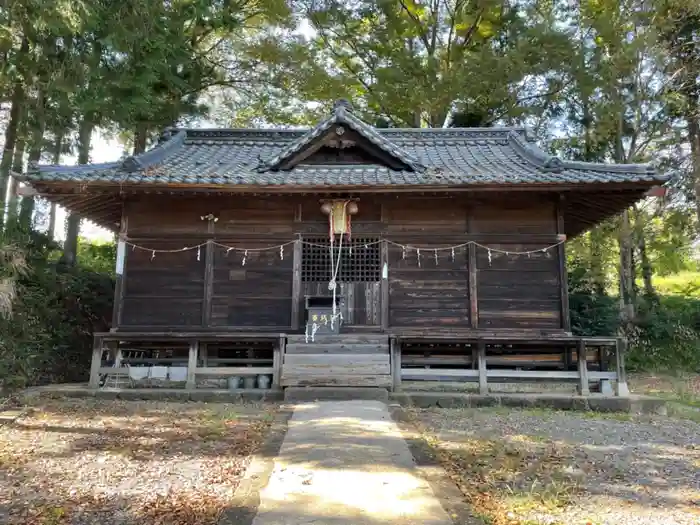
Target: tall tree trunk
(37, 131)
(58, 145)
(10, 141)
(140, 138)
(70, 248)
(693, 118)
(597, 271)
(17, 167)
(626, 273)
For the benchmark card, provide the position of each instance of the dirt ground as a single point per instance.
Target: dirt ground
(87, 461)
(533, 467)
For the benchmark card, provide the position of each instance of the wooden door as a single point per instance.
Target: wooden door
(356, 265)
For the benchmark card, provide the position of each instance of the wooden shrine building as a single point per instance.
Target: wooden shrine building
(347, 255)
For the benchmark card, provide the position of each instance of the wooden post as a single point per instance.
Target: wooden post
(296, 285)
(208, 280)
(191, 365)
(204, 354)
(583, 387)
(483, 383)
(563, 276)
(473, 299)
(385, 286)
(277, 359)
(620, 350)
(119, 270)
(395, 347)
(96, 363)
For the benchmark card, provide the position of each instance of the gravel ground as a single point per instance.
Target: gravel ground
(568, 468)
(83, 462)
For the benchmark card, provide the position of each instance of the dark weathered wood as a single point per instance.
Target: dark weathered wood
(208, 283)
(473, 293)
(563, 276)
(385, 286)
(296, 285)
(395, 365)
(336, 348)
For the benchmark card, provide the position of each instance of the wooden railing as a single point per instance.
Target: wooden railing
(196, 356)
(482, 374)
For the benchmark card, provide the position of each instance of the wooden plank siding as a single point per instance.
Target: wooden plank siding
(430, 294)
(257, 293)
(509, 292)
(163, 289)
(517, 291)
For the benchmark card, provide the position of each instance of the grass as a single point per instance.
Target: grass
(683, 283)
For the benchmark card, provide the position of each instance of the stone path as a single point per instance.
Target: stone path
(345, 462)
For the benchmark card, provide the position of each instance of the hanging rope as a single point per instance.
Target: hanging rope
(404, 247)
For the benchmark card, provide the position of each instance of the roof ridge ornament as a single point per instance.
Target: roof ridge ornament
(342, 103)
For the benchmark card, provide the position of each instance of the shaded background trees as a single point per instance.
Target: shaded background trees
(598, 80)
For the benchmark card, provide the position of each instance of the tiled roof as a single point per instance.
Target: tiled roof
(432, 157)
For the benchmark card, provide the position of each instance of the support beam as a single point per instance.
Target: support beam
(483, 385)
(395, 355)
(384, 301)
(277, 359)
(620, 351)
(583, 387)
(563, 276)
(296, 285)
(473, 299)
(120, 273)
(208, 280)
(192, 366)
(96, 363)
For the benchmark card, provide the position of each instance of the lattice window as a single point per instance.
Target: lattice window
(360, 260)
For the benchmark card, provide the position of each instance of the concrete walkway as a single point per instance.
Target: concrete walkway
(345, 462)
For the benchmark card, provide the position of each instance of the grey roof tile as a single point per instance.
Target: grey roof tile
(445, 156)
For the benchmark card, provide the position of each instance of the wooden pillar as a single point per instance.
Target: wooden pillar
(96, 363)
(563, 276)
(277, 360)
(296, 285)
(191, 365)
(395, 347)
(385, 286)
(119, 271)
(583, 387)
(620, 350)
(473, 299)
(204, 354)
(483, 383)
(208, 280)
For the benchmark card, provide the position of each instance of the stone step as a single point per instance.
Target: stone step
(341, 338)
(295, 394)
(337, 348)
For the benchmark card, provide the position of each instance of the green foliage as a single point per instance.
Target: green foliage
(48, 338)
(666, 332)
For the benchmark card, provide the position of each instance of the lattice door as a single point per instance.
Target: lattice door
(358, 275)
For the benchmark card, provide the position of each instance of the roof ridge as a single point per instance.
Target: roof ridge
(342, 115)
(553, 163)
(156, 154)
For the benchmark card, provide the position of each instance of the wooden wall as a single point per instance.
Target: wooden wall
(463, 292)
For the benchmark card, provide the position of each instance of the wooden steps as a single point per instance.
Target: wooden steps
(338, 360)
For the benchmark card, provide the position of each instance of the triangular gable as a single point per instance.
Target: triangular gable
(342, 130)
